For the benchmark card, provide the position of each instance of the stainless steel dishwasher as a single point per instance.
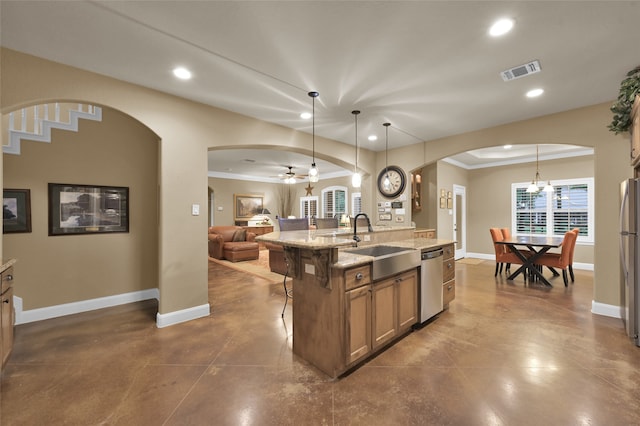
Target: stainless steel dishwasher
(430, 284)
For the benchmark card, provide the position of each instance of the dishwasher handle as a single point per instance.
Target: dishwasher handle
(431, 254)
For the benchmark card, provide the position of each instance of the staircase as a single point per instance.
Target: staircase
(35, 123)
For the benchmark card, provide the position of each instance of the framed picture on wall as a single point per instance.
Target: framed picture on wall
(16, 216)
(246, 206)
(87, 209)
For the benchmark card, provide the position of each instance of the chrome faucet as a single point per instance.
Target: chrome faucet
(355, 226)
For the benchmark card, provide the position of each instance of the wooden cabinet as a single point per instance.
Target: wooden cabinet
(380, 312)
(407, 288)
(6, 315)
(385, 312)
(448, 275)
(259, 229)
(635, 132)
(358, 314)
(424, 233)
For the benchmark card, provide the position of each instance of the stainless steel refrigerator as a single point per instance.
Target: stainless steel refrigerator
(630, 257)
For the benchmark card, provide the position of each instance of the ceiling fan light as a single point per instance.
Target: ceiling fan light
(548, 187)
(356, 180)
(314, 173)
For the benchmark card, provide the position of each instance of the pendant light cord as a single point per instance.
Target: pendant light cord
(355, 113)
(386, 150)
(313, 124)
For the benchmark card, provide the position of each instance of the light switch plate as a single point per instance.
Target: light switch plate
(195, 209)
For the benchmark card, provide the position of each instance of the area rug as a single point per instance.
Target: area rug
(470, 261)
(259, 267)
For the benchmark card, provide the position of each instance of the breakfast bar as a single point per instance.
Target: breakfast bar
(346, 309)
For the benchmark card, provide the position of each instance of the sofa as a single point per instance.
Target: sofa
(233, 243)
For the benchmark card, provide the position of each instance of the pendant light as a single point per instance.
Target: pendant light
(533, 187)
(314, 173)
(356, 179)
(386, 183)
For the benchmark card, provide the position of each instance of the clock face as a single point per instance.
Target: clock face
(397, 181)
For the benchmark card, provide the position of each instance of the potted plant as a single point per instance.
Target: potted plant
(629, 88)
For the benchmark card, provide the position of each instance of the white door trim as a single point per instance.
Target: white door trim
(461, 245)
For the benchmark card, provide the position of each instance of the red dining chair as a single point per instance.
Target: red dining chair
(506, 235)
(573, 247)
(563, 259)
(503, 255)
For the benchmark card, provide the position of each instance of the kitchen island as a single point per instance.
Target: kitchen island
(342, 313)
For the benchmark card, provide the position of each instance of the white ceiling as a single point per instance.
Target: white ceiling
(427, 67)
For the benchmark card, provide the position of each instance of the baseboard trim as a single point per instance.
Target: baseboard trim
(184, 315)
(40, 314)
(484, 256)
(603, 309)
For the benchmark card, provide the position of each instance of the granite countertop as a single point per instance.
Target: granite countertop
(8, 264)
(342, 238)
(321, 238)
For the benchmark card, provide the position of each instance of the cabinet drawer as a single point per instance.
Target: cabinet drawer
(448, 251)
(7, 279)
(448, 292)
(448, 270)
(357, 277)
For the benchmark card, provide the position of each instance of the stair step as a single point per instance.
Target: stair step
(30, 118)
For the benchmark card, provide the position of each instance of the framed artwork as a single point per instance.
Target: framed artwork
(16, 215)
(246, 206)
(87, 209)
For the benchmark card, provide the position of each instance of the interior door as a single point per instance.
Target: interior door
(460, 220)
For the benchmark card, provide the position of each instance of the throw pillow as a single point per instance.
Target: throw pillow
(239, 235)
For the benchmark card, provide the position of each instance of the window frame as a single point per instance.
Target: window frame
(549, 210)
(332, 190)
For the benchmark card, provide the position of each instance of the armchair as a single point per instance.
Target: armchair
(232, 243)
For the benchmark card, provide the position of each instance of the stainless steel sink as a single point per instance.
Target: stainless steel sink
(389, 260)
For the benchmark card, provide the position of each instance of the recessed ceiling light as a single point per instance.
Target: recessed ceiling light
(501, 27)
(534, 93)
(305, 115)
(182, 73)
(373, 138)
(507, 146)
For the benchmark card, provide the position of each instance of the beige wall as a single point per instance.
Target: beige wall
(188, 129)
(448, 175)
(489, 198)
(61, 269)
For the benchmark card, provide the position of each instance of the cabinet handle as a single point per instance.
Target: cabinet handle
(9, 277)
(449, 288)
(5, 301)
(449, 265)
(359, 276)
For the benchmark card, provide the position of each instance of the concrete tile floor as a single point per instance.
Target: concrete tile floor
(505, 353)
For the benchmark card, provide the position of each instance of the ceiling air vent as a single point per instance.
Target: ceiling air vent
(521, 71)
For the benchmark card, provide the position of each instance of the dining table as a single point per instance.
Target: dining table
(537, 246)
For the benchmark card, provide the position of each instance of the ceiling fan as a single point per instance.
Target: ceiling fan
(290, 176)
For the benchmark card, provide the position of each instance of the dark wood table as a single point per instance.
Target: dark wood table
(537, 246)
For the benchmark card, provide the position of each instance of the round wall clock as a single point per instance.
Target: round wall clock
(397, 181)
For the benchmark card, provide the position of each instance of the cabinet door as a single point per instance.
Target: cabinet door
(358, 323)
(385, 318)
(6, 324)
(407, 288)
